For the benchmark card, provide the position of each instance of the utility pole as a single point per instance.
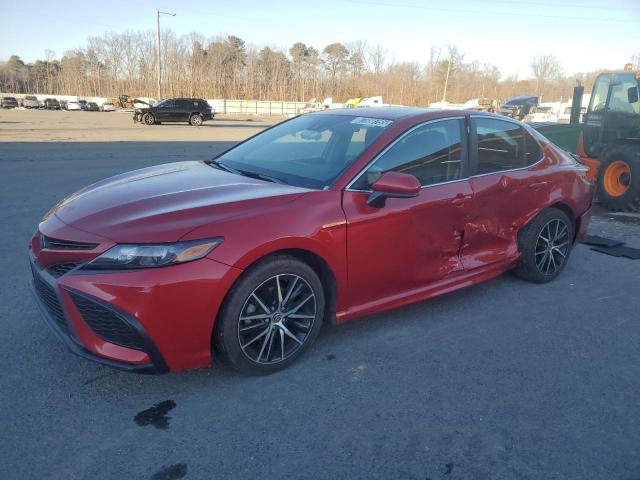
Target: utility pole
(446, 79)
(158, 12)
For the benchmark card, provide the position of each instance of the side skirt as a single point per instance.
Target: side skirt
(454, 282)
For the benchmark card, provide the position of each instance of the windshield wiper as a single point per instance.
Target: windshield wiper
(260, 176)
(217, 164)
(245, 173)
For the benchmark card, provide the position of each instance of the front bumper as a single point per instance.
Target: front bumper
(141, 321)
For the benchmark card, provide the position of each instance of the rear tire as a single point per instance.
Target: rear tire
(148, 119)
(274, 301)
(545, 244)
(196, 120)
(619, 179)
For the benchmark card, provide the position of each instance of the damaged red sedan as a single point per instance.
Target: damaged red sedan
(323, 218)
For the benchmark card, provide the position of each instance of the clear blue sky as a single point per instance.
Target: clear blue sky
(583, 34)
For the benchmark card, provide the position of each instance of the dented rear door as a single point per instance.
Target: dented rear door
(505, 192)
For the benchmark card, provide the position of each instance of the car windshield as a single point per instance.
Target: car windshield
(162, 102)
(307, 151)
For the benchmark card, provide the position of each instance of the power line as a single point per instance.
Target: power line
(565, 5)
(492, 12)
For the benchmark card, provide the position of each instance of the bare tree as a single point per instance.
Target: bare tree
(376, 59)
(112, 64)
(546, 69)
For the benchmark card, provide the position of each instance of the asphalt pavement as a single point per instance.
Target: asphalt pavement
(504, 380)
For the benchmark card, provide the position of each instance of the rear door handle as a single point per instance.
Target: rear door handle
(459, 199)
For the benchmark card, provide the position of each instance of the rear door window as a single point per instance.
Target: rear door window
(532, 151)
(500, 145)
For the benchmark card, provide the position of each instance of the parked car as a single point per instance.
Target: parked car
(93, 107)
(325, 217)
(73, 105)
(565, 112)
(9, 102)
(51, 104)
(30, 101)
(63, 104)
(108, 107)
(518, 107)
(544, 113)
(83, 104)
(194, 111)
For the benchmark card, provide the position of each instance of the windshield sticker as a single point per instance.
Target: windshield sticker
(371, 122)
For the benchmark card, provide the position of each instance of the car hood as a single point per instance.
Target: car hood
(165, 202)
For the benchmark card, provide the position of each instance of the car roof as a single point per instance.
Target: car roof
(406, 113)
(521, 98)
(386, 113)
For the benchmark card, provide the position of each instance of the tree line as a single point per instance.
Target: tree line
(125, 63)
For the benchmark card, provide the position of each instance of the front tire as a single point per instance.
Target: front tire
(271, 316)
(148, 119)
(545, 244)
(619, 179)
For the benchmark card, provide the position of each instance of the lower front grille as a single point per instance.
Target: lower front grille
(50, 299)
(107, 324)
(61, 268)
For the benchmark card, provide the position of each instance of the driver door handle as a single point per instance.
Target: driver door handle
(539, 184)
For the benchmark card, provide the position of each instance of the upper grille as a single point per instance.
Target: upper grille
(55, 244)
(50, 300)
(107, 324)
(61, 268)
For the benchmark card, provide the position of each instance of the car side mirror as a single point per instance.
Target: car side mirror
(632, 94)
(393, 185)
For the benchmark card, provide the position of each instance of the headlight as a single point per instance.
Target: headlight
(123, 257)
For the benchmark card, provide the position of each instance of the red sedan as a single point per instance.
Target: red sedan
(323, 218)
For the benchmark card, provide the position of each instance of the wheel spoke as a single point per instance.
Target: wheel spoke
(289, 334)
(562, 233)
(251, 327)
(264, 344)
(546, 240)
(288, 295)
(543, 261)
(258, 337)
(262, 305)
(299, 306)
(255, 317)
(548, 264)
(557, 250)
(300, 325)
(281, 345)
(552, 260)
(279, 291)
(301, 315)
(272, 338)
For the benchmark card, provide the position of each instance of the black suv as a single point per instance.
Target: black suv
(518, 107)
(190, 110)
(51, 104)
